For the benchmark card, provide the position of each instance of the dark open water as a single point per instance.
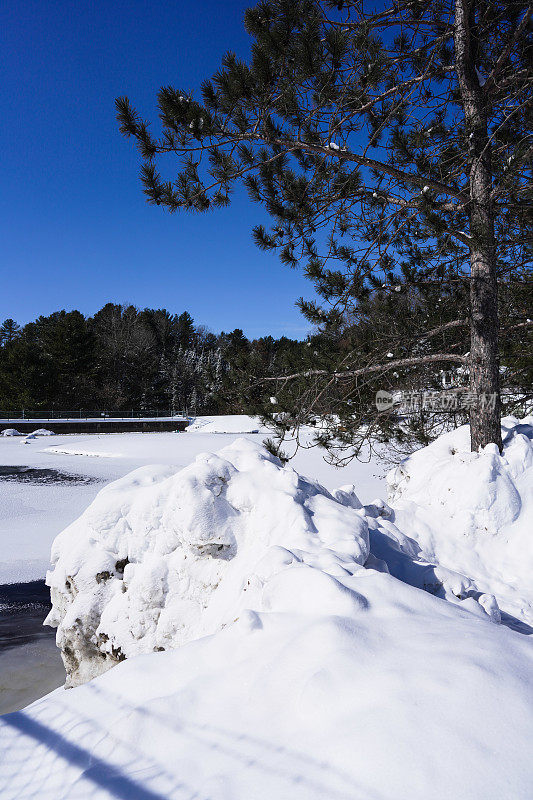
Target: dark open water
(23, 607)
(23, 474)
(30, 662)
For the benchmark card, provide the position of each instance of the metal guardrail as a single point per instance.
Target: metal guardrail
(84, 414)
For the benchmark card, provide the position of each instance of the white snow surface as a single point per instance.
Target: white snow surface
(32, 515)
(163, 557)
(320, 651)
(236, 423)
(473, 512)
(400, 697)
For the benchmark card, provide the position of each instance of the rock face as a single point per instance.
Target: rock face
(163, 557)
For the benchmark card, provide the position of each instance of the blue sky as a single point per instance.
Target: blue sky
(75, 229)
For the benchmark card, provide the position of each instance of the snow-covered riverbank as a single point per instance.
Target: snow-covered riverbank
(32, 514)
(35, 507)
(316, 644)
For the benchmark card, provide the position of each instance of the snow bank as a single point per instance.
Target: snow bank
(348, 688)
(41, 432)
(308, 663)
(11, 432)
(226, 423)
(473, 512)
(163, 557)
(36, 434)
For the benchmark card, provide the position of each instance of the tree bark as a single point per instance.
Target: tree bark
(485, 412)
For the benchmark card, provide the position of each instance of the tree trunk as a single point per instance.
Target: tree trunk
(485, 411)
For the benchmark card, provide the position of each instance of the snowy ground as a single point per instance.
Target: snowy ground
(316, 646)
(32, 514)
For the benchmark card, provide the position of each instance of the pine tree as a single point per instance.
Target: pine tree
(185, 332)
(9, 331)
(392, 147)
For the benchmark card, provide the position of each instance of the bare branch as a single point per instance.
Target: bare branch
(414, 361)
(491, 80)
(456, 323)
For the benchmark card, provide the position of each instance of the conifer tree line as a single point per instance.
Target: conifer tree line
(125, 359)
(391, 143)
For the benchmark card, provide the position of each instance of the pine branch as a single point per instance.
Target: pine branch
(414, 361)
(379, 166)
(491, 80)
(456, 323)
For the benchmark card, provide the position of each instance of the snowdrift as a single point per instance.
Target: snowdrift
(40, 432)
(400, 696)
(226, 423)
(473, 512)
(162, 557)
(302, 659)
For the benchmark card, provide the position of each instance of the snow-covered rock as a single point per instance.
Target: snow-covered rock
(163, 557)
(473, 512)
(35, 435)
(11, 432)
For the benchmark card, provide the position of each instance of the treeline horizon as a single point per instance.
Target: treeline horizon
(123, 358)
